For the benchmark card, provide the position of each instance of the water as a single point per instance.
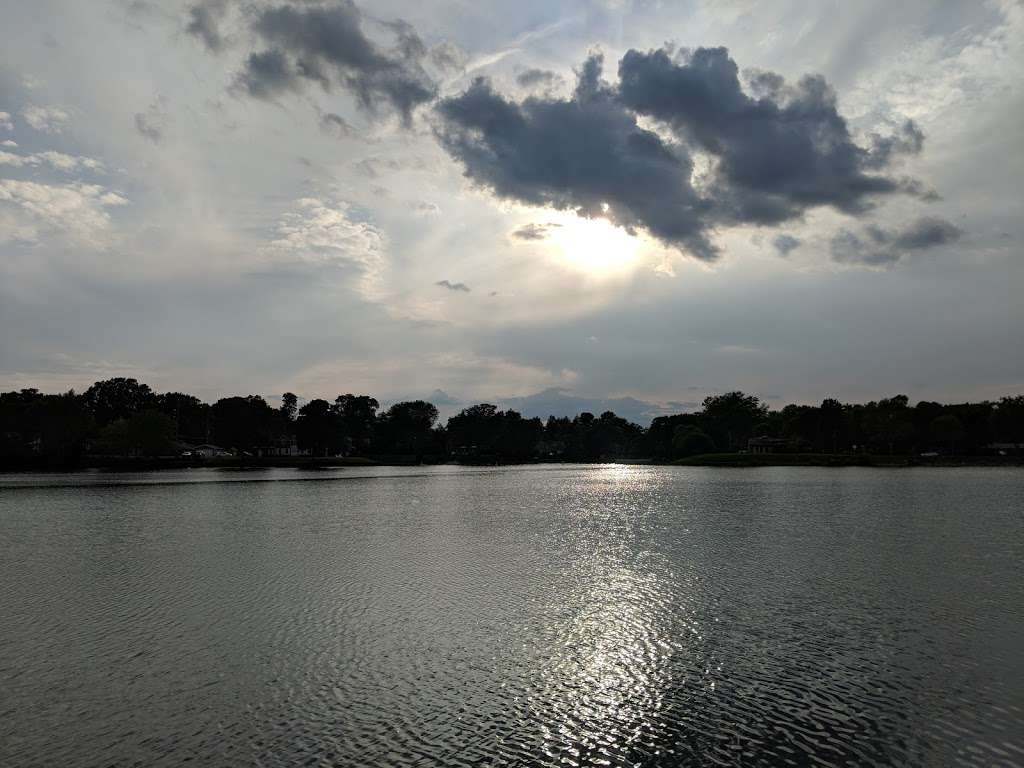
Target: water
(521, 616)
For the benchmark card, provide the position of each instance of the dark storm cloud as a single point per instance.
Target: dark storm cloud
(326, 45)
(448, 57)
(928, 232)
(778, 154)
(453, 286)
(533, 77)
(532, 231)
(204, 20)
(586, 154)
(145, 125)
(785, 244)
(883, 247)
(335, 125)
(909, 140)
(267, 74)
(152, 124)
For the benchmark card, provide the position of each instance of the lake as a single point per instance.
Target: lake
(541, 615)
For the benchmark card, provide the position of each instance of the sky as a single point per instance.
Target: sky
(548, 206)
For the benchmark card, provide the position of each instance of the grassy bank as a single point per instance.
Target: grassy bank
(142, 464)
(842, 460)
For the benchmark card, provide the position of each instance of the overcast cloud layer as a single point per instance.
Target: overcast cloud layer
(546, 206)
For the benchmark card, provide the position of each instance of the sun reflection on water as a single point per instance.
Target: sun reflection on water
(608, 680)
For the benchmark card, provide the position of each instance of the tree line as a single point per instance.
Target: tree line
(124, 417)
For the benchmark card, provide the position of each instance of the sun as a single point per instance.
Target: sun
(595, 246)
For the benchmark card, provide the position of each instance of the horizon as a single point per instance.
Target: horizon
(551, 403)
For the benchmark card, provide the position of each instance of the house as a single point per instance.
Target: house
(208, 451)
(283, 446)
(767, 444)
(1006, 449)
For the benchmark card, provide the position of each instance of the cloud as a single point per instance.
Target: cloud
(448, 57)
(267, 74)
(204, 20)
(909, 140)
(532, 231)
(426, 209)
(785, 244)
(440, 397)
(775, 155)
(685, 405)
(325, 45)
(322, 231)
(74, 212)
(373, 166)
(152, 124)
(533, 78)
(453, 286)
(770, 156)
(335, 125)
(928, 232)
(46, 119)
(5, 121)
(586, 154)
(884, 247)
(137, 14)
(555, 401)
(56, 160)
(9, 144)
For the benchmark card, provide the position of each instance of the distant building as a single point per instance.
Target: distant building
(1006, 449)
(283, 446)
(767, 444)
(208, 451)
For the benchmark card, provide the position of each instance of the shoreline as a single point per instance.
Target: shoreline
(748, 460)
(726, 460)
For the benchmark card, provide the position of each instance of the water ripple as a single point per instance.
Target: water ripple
(560, 616)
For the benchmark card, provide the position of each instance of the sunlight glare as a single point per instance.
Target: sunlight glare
(595, 246)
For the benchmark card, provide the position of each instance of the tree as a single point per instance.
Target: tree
(475, 428)
(733, 416)
(147, 433)
(408, 427)
(483, 431)
(659, 439)
(581, 443)
(888, 422)
(289, 405)
(613, 436)
(1008, 420)
(831, 422)
(245, 423)
(801, 425)
(519, 437)
(358, 414)
(318, 428)
(690, 441)
(60, 424)
(117, 398)
(191, 415)
(948, 429)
